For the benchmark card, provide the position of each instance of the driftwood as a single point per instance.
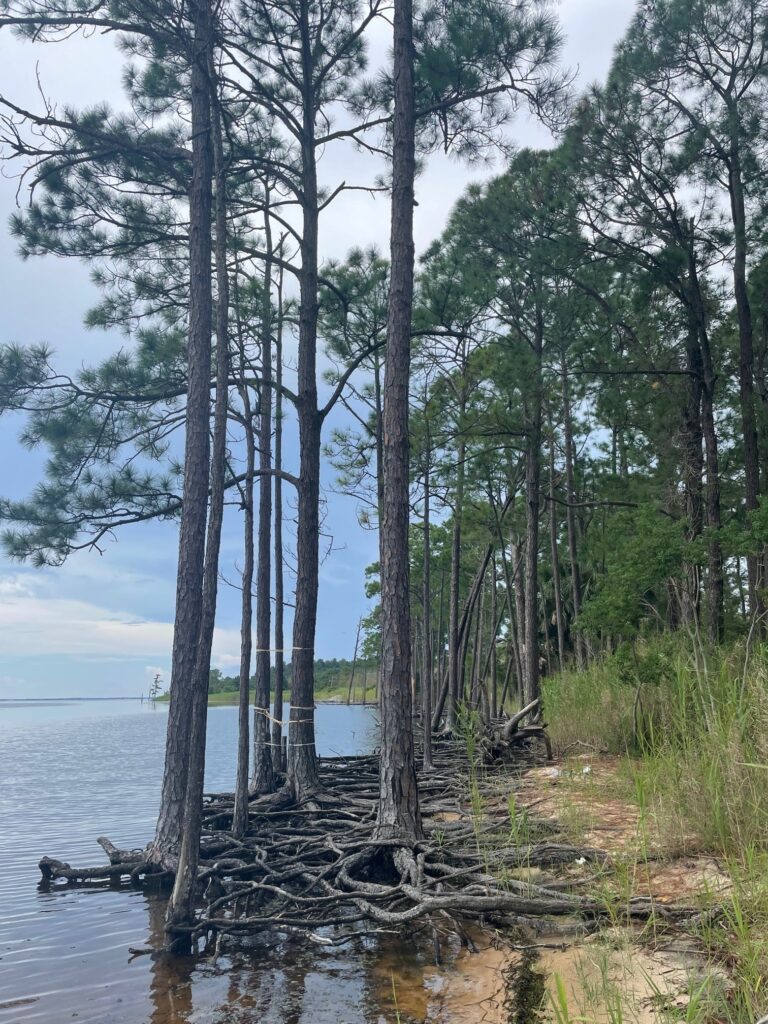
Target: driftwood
(321, 871)
(503, 738)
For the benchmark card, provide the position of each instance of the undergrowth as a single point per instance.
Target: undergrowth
(692, 727)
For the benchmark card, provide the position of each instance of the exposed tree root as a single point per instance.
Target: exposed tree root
(320, 869)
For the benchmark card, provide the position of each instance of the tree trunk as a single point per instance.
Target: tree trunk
(454, 669)
(559, 619)
(262, 778)
(398, 795)
(277, 713)
(519, 593)
(182, 902)
(426, 656)
(570, 513)
(474, 672)
(494, 709)
(189, 579)
(351, 688)
(693, 470)
(302, 756)
(715, 582)
(240, 813)
(746, 355)
(532, 689)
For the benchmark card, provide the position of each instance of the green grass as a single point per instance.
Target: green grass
(692, 725)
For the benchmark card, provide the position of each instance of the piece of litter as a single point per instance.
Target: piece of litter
(586, 769)
(581, 860)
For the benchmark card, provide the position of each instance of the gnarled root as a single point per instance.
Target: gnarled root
(324, 871)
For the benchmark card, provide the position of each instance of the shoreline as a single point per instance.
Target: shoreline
(232, 700)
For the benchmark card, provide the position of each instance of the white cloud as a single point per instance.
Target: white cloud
(32, 624)
(223, 661)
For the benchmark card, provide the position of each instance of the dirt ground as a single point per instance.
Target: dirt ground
(618, 974)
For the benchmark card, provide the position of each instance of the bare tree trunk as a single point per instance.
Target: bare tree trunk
(559, 618)
(302, 756)
(465, 624)
(440, 632)
(240, 813)
(505, 686)
(351, 689)
(262, 778)
(494, 709)
(746, 356)
(693, 469)
(511, 581)
(518, 554)
(181, 905)
(277, 712)
(398, 794)
(454, 668)
(189, 579)
(426, 656)
(570, 513)
(532, 503)
(474, 675)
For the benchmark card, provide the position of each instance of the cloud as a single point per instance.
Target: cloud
(223, 661)
(35, 624)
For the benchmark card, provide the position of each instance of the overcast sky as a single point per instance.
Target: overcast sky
(101, 625)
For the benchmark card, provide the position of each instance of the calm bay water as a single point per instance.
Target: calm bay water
(70, 771)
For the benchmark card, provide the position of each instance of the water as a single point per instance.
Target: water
(72, 770)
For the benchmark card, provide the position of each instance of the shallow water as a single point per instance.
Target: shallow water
(72, 770)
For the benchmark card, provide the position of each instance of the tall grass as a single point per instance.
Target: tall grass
(697, 724)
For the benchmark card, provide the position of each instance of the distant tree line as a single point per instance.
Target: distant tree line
(330, 674)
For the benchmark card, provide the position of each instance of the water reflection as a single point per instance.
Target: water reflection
(70, 772)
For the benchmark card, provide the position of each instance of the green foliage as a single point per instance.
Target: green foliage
(331, 675)
(641, 550)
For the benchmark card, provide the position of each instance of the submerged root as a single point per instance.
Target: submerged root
(323, 870)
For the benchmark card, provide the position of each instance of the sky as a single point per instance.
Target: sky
(101, 624)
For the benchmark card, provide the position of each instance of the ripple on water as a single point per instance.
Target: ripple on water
(74, 771)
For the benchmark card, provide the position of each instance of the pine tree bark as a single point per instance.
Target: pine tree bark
(189, 579)
(277, 711)
(558, 597)
(494, 701)
(532, 505)
(693, 469)
(746, 352)
(262, 778)
(454, 643)
(570, 511)
(302, 755)
(181, 905)
(398, 794)
(240, 813)
(715, 580)
(426, 655)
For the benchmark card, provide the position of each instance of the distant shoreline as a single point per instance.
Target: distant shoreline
(56, 700)
(216, 700)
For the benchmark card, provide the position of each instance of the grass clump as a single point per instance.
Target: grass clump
(691, 725)
(695, 725)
